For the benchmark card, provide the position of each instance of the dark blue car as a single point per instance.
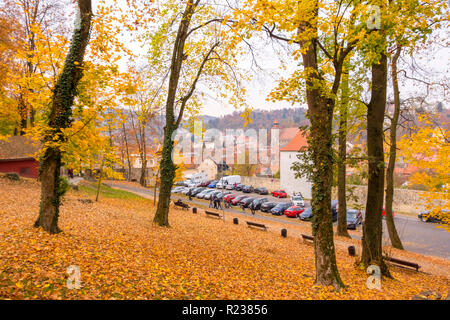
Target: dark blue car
(212, 184)
(280, 208)
(307, 214)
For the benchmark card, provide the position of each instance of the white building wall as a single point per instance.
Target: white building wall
(288, 182)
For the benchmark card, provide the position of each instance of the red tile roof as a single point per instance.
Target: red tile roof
(17, 147)
(288, 133)
(296, 143)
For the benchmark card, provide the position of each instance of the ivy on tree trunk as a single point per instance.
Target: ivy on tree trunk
(60, 118)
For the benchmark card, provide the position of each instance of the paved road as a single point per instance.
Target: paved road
(417, 236)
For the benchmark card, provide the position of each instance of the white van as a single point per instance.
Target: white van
(228, 180)
(297, 199)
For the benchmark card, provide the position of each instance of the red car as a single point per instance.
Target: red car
(279, 194)
(294, 211)
(384, 212)
(229, 197)
(236, 200)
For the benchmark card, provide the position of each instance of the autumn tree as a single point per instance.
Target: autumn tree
(428, 149)
(198, 53)
(60, 118)
(145, 90)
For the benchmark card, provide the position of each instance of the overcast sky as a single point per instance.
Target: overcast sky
(434, 60)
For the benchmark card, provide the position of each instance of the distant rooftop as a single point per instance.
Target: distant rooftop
(296, 143)
(17, 148)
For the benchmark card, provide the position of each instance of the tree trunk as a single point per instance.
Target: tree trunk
(127, 152)
(142, 179)
(392, 230)
(320, 113)
(50, 197)
(167, 167)
(60, 117)
(372, 231)
(342, 198)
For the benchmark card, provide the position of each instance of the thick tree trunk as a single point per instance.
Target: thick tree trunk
(167, 167)
(320, 113)
(342, 198)
(60, 117)
(392, 230)
(50, 177)
(372, 231)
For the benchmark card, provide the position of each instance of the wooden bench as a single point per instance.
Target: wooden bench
(181, 204)
(213, 214)
(306, 237)
(402, 263)
(256, 225)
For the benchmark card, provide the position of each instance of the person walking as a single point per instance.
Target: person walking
(252, 208)
(211, 200)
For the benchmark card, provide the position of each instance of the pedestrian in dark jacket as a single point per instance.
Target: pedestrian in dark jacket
(211, 200)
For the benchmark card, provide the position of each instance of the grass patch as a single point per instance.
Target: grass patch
(90, 189)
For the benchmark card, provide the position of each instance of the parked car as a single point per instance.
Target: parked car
(177, 189)
(229, 187)
(209, 195)
(279, 209)
(205, 192)
(205, 183)
(197, 191)
(384, 213)
(212, 184)
(307, 214)
(425, 216)
(267, 206)
(279, 194)
(246, 201)
(354, 218)
(228, 180)
(297, 199)
(294, 211)
(187, 190)
(236, 200)
(229, 197)
(261, 191)
(239, 187)
(247, 189)
(256, 204)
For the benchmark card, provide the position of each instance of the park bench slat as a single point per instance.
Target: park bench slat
(307, 237)
(403, 262)
(182, 205)
(256, 225)
(213, 214)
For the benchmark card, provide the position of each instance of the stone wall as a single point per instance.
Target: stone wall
(404, 200)
(257, 182)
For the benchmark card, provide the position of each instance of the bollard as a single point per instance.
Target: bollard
(235, 221)
(194, 210)
(351, 251)
(284, 233)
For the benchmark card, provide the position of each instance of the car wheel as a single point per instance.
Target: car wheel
(422, 218)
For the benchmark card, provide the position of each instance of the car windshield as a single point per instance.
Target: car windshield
(297, 198)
